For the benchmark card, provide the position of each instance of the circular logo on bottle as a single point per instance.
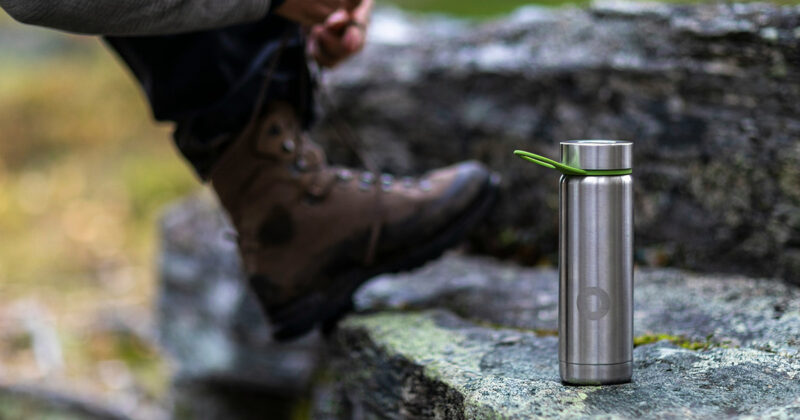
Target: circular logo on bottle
(593, 303)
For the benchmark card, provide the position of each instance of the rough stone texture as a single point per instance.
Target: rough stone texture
(415, 358)
(735, 310)
(467, 337)
(710, 94)
(228, 365)
(22, 403)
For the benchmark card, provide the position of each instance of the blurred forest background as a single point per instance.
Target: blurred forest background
(84, 173)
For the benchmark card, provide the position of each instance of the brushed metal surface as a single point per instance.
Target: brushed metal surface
(575, 374)
(596, 277)
(597, 154)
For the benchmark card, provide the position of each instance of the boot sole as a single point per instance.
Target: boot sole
(325, 309)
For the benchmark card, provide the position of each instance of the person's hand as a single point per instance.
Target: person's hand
(342, 35)
(310, 12)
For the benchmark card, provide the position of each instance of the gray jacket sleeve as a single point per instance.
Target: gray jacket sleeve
(135, 17)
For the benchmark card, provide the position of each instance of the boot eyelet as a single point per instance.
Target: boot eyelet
(408, 182)
(367, 178)
(426, 185)
(344, 175)
(288, 146)
(386, 182)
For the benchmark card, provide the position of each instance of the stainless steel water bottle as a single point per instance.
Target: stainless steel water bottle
(595, 315)
(595, 309)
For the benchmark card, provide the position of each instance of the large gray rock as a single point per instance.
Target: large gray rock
(227, 365)
(730, 347)
(466, 337)
(710, 94)
(730, 309)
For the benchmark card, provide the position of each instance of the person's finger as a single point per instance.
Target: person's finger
(313, 35)
(315, 46)
(338, 20)
(315, 31)
(361, 12)
(322, 57)
(332, 43)
(353, 39)
(343, 44)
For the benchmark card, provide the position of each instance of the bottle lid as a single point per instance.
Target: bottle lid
(588, 158)
(597, 154)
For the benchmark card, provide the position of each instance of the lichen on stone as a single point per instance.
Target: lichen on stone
(679, 341)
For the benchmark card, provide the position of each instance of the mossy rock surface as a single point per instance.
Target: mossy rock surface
(20, 403)
(471, 338)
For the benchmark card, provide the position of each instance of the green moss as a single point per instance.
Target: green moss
(679, 341)
(451, 356)
(473, 9)
(486, 9)
(19, 407)
(302, 410)
(416, 336)
(540, 332)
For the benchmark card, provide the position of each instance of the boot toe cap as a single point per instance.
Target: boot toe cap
(467, 182)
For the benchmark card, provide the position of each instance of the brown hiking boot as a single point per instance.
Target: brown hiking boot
(310, 233)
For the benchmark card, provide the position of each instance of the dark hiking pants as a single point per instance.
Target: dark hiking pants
(208, 82)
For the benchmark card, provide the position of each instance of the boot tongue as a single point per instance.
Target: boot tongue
(271, 140)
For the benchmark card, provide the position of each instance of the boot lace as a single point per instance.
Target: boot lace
(313, 162)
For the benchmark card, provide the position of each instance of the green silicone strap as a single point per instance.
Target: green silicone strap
(566, 169)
